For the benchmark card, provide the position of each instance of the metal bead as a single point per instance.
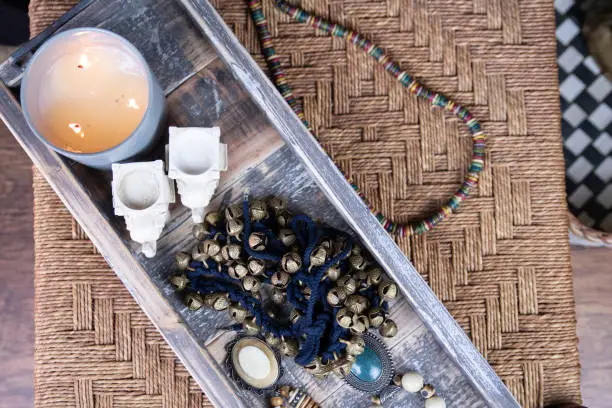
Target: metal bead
(333, 273)
(183, 260)
(374, 276)
(376, 316)
(280, 279)
(289, 347)
(251, 284)
(318, 256)
(217, 301)
(357, 303)
(256, 266)
(387, 290)
(388, 328)
(276, 402)
(194, 301)
(361, 324)
(344, 317)
(348, 283)
(231, 251)
(277, 203)
(200, 232)
(287, 236)
(355, 345)
(291, 262)
(180, 282)
(294, 316)
(358, 262)
(283, 219)
(272, 339)
(250, 326)
(233, 212)
(258, 241)
(427, 391)
(336, 296)
(258, 210)
(234, 228)
(435, 402)
(210, 247)
(237, 312)
(279, 296)
(213, 218)
(237, 270)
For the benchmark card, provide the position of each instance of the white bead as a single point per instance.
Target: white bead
(412, 381)
(435, 402)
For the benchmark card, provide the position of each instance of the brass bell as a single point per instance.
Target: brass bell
(237, 312)
(328, 244)
(199, 232)
(233, 212)
(376, 316)
(287, 236)
(361, 324)
(183, 260)
(283, 219)
(388, 328)
(357, 303)
(194, 301)
(284, 391)
(272, 339)
(217, 301)
(361, 279)
(180, 282)
(387, 290)
(276, 402)
(279, 296)
(231, 251)
(289, 347)
(256, 266)
(210, 247)
(258, 210)
(356, 250)
(280, 279)
(318, 256)
(250, 326)
(198, 255)
(258, 241)
(344, 317)
(336, 296)
(427, 391)
(358, 262)
(355, 345)
(237, 270)
(348, 283)
(218, 258)
(333, 273)
(213, 218)
(251, 284)
(234, 228)
(376, 400)
(277, 203)
(374, 276)
(291, 262)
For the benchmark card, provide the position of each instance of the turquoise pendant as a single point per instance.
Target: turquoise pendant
(373, 369)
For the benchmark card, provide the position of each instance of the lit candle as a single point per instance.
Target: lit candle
(89, 95)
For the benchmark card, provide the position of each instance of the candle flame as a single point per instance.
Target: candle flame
(84, 62)
(132, 104)
(76, 128)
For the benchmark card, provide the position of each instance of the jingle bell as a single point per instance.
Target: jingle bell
(348, 283)
(233, 212)
(280, 279)
(277, 203)
(210, 247)
(355, 345)
(251, 284)
(374, 276)
(180, 282)
(183, 260)
(357, 303)
(230, 251)
(333, 273)
(213, 218)
(387, 290)
(217, 301)
(234, 228)
(256, 266)
(194, 301)
(358, 262)
(336, 296)
(344, 317)
(218, 258)
(427, 391)
(376, 316)
(199, 232)
(258, 210)
(279, 297)
(287, 236)
(283, 219)
(360, 325)
(258, 241)
(272, 339)
(198, 255)
(291, 262)
(237, 312)
(289, 347)
(250, 326)
(237, 270)
(388, 328)
(318, 256)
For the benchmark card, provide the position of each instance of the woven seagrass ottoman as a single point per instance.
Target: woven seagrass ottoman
(501, 264)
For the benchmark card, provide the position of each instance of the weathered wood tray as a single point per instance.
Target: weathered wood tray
(210, 79)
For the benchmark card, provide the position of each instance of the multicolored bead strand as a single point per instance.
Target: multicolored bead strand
(414, 87)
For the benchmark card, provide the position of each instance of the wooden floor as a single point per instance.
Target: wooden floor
(592, 271)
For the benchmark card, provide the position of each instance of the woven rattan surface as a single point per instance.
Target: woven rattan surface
(501, 265)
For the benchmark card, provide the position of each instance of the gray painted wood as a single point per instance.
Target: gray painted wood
(210, 80)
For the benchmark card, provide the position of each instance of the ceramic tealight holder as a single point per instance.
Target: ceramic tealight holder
(141, 194)
(196, 159)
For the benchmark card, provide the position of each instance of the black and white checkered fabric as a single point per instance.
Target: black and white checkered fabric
(586, 105)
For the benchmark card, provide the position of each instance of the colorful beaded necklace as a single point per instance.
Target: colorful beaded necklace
(392, 67)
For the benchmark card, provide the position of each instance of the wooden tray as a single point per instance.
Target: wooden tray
(210, 79)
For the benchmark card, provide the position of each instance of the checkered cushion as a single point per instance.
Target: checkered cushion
(586, 103)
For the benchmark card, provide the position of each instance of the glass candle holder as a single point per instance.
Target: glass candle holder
(88, 94)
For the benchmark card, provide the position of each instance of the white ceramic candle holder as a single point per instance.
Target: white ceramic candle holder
(196, 159)
(141, 194)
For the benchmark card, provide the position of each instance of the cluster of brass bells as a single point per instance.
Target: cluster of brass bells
(289, 397)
